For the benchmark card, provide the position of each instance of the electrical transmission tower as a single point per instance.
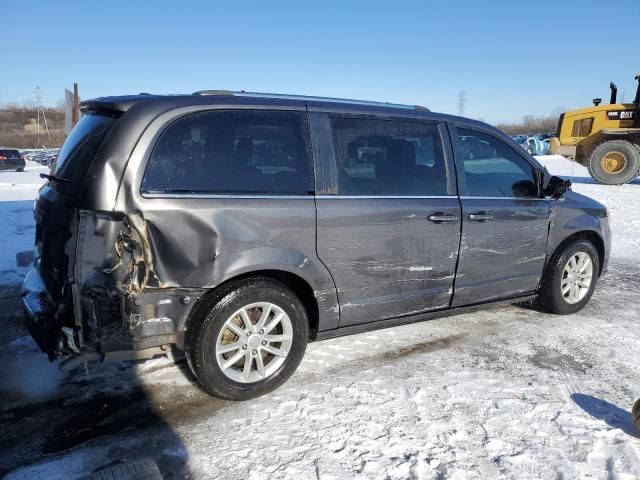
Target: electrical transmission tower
(40, 108)
(462, 102)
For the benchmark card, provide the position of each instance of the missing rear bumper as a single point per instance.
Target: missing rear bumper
(40, 314)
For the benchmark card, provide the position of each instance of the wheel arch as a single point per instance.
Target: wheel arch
(296, 283)
(589, 235)
(606, 135)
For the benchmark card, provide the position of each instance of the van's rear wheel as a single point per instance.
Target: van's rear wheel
(614, 162)
(570, 278)
(247, 339)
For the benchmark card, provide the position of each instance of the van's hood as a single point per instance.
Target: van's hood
(582, 202)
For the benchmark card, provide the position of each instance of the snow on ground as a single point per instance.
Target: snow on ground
(504, 393)
(17, 191)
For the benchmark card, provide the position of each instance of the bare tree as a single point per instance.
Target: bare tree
(531, 124)
(18, 126)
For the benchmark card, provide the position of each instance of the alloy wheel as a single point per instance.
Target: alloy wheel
(254, 342)
(576, 277)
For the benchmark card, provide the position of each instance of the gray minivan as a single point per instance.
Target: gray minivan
(237, 227)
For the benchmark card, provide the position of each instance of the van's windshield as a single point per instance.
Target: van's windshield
(81, 145)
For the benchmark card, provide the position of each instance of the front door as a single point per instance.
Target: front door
(390, 233)
(504, 220)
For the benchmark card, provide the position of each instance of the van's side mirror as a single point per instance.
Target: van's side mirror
(555, 187)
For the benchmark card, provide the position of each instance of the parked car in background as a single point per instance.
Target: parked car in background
(544, 136)
(44, 157)
(11, 159)
(532, 144)
(545, 146)
(49, 159)
(240, 226)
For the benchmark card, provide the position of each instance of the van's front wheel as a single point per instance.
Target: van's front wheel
(570, 278)
(247, 339)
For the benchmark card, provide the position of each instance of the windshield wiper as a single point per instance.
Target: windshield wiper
(54, 178)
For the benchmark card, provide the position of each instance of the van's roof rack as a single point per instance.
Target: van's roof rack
(306, 98)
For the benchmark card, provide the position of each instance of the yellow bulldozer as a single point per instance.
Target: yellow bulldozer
(603, 138)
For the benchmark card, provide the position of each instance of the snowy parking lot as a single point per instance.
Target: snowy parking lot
(505, 393)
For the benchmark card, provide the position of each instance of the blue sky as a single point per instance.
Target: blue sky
(511, 57)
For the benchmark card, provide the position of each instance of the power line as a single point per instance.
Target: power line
(462, 102)
(38, 95)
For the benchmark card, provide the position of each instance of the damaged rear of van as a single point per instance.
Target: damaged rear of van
(91, 260)
(133, 228)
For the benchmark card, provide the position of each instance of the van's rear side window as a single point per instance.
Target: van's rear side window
(232, 152)
(388, 157)
(81, 145)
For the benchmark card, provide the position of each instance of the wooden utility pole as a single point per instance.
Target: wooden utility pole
(75, 112)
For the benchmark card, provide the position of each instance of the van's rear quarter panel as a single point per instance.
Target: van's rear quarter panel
(203, 242)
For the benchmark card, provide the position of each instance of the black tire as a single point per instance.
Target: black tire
(20, 170)
(209, 318)
(140, 470)
(550, 296)
(627, 174)
(635, 414)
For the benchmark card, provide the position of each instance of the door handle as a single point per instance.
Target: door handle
(480, 216)
(440, 217)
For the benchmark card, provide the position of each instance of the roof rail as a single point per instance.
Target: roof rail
(308, 98)
(214, 92)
